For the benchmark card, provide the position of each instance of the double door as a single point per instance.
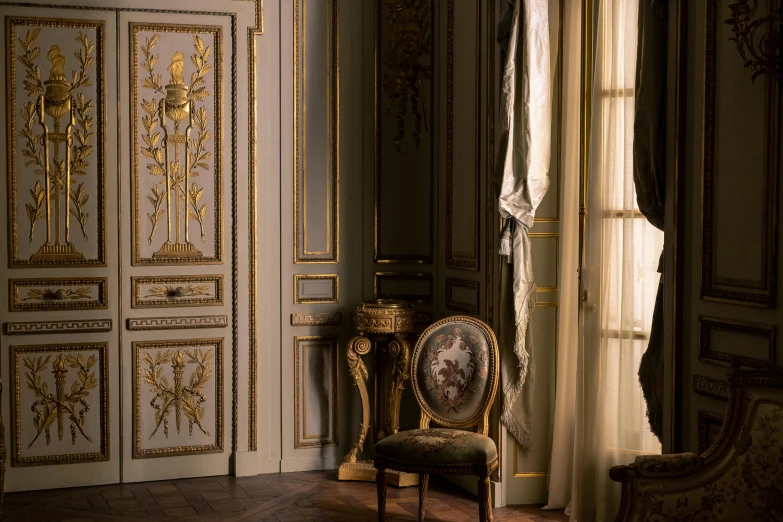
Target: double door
(123, 146)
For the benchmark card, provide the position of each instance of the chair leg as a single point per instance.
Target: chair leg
(380, 479)
(485, 500)
(424, 480)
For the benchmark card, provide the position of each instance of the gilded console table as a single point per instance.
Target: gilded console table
(379, 323)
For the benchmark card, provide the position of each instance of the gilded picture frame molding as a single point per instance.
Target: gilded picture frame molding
(301, 440)
(100, 86)
(197, 449)
(459, 306)
(724, 289)
(300, 299)
(49, 305)
(17, 460)
(454, 259)
(138, 301)
(379, 277)
(378, 255)
(332, 254)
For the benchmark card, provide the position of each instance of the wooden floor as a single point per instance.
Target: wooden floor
(285, 497)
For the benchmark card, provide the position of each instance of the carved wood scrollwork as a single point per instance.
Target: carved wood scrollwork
(760, 50)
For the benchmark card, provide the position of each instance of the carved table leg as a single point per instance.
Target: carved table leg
(357, 347)
(400, 349)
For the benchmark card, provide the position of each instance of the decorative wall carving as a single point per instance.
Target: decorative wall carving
(55, 327)
(323, 169)
(419, 286)
(709, 353)
(455, 199)
(56, 121)
(316, 288)
(172, 292)
(758, 39)
(177, 397)
(739, 288)
(178, 323)
(317, 319)
(711, 387)
(84, 293)
(60, 404)
(324, 349)
(177, 139)
(471, 307)
(404, 91)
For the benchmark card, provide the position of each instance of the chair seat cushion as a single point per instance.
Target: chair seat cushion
(438, 446)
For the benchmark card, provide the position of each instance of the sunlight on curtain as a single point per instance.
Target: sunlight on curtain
(622, 251)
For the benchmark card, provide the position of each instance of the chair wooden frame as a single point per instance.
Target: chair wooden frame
(480, 420)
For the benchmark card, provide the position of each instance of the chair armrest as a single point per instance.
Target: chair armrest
(675, 464)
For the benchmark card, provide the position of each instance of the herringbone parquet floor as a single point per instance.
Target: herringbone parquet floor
(288, 497)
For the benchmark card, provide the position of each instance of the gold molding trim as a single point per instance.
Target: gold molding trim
(317, 319)
(301, 439)
(177, 296)
(49, 296)
(178, 323)
(17, 460)
(58, 327)
(333, 298)
(184, 255)
(217, 375)
(378, 255)
(66, 255)
(707, 420)
(761, 293)
(492, 231)
(707, 354)
(711, 387)
(379, 277)
(459, 306)
(454, 259)
(301, 253)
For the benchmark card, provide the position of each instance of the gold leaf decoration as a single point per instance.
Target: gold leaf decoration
(185, 399)
(59, 406)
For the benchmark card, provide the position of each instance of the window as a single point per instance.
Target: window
(631, 246)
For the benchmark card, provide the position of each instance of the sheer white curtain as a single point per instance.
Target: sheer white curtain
(619, 282)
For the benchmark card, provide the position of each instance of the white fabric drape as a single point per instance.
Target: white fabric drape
(619, 283)
(524, 146)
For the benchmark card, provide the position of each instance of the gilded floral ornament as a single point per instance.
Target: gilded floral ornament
(409, 38)
(759, 41)
(185, 400)
(60, 406)
(51, 104)
(178, 105)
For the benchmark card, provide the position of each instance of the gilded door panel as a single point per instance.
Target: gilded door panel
(56, 116)
(60, 404)
(182, 166)
(60, 367)
(177, 398)
(177, 143)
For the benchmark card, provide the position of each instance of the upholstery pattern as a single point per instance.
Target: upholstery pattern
(740, 478)
(453, 370)
(438, 446)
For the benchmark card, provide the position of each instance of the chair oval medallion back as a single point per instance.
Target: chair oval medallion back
(455, 371)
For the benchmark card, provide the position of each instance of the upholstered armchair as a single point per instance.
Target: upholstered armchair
(739, 478)
(454, 378)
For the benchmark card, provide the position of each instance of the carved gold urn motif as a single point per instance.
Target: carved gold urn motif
(384, 325)
(57, 103)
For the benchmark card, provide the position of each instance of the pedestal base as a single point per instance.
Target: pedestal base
(57, 253)
(364, 471)
(176, 250)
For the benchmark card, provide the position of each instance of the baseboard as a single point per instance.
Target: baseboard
(527, 490)
(470, 484)
(309, 464)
